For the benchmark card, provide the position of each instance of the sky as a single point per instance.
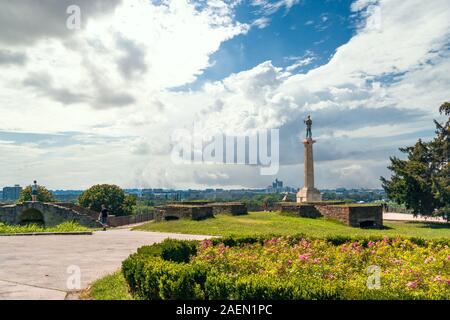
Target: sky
(108, 101)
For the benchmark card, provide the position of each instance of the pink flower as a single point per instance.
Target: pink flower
(305, 244)
(355, 245)
(273, 241)
(344, 249)
(437, 278)
(428, 260)
(412, 284)
(222, 248)
(448, 257)
(386, 239)
(206, 244)
(317, 260)
(303, 257)
(371, 244)
(374, 252)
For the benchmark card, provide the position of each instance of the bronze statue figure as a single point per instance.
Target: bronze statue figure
(308, 123)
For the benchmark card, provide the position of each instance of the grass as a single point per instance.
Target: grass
(111, 287)
(257, 223)
(33, 228)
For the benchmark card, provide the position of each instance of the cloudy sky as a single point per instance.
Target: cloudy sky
(101, 104)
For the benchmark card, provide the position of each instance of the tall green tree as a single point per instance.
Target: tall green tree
(422, 181)
(44, 195)
(112, 196)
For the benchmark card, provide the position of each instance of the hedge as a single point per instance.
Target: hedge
(172, 270)
(170, 250)
(336, 240)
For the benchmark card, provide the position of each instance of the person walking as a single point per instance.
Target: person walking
(34, 191)
(103, 217)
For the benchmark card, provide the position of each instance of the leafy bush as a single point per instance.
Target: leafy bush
(33, 228)
(233, 241)
(43, 195)
(112, 196)
(160, 271)
(171, 250)
(290, 268)
(155, 278)
(266, 287)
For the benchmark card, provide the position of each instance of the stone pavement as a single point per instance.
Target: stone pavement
(36, 267)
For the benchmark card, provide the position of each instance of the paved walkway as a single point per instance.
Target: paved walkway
(409, 217)
(36, 267)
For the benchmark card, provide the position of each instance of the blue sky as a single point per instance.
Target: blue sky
(310, 28)
(106, 102)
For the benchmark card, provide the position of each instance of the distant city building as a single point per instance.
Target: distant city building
(362, 194)
(160, 194)
(136, 192)
(277, 184)
(66, 195)
(277, 187)
(11, 193)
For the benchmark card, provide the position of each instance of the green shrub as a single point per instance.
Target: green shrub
(171, 250)
(157, 278)
(264, 287)
(289, 268)
(236, 241)
(218, 286)
(156, 271)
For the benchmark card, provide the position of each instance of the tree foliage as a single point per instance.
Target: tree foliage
(422, 181)
(43, 195)
(112, 196)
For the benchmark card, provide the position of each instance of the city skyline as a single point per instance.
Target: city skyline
(100, 104)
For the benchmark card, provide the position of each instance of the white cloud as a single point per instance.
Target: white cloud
(77, 83)
(168, 46)
(301, 62)
(269, 7)
(261, 23)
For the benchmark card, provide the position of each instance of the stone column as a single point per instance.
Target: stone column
(308, 193)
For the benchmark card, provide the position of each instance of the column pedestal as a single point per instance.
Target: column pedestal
(308, 193)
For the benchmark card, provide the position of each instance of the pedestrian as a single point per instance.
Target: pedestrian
(34, 191)
(103, 217)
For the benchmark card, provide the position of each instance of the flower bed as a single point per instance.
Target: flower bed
(291, 268)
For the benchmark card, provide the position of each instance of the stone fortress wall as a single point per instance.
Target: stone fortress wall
(198, 210)
(351, 214)
(48, 214)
